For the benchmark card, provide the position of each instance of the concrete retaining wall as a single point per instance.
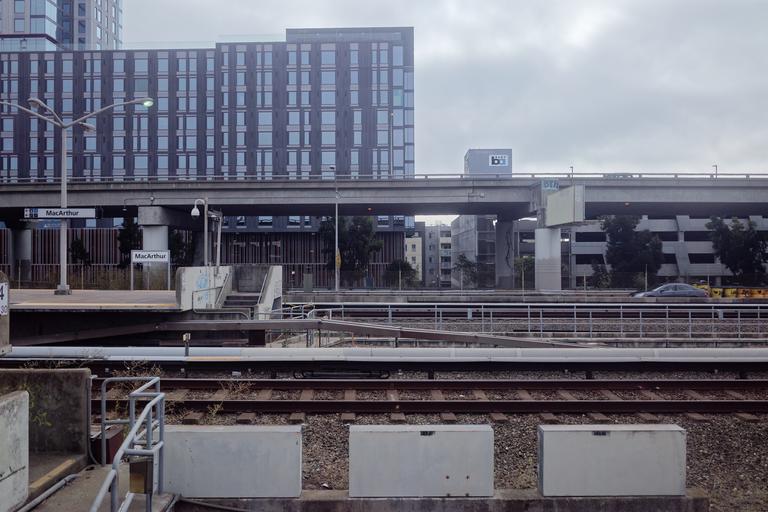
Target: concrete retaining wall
(233, 461)
(58, 407)
(507, 500)
(202, 287)
(14, 449)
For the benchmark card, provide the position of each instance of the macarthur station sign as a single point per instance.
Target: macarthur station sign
(59, 213)
(150, 256)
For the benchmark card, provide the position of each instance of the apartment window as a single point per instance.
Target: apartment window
(327, 57)
(328, 138)
(328, 78)
(397, 55)
(328, 117)
(141, 65)
(265, 118)
(328, 98)
(265, 138)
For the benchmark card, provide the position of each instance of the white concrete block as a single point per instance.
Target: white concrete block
(243, 461)
(420, 460)
(14, 449)
(611, 460)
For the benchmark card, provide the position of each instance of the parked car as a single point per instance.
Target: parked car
(674, 290)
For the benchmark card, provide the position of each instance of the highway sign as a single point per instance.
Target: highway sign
(59, 213)
(550, 185)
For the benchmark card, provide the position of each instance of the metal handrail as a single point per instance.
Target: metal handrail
(618, 176)
(135, 434)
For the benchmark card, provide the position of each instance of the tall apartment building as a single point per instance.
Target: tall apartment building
(50, 25)
(326, 102)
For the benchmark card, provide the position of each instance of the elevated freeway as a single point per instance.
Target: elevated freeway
(510, 197)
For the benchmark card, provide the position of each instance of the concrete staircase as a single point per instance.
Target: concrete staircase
(242, 300)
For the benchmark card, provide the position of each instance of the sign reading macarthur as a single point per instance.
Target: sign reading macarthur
(59, 213)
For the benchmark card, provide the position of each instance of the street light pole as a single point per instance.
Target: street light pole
(55, 120)
(337, 253)
(715, 166)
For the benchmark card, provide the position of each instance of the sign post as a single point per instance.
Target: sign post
(5, 336)
(152, 257)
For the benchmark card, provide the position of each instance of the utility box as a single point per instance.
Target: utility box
(420, 460)
(611, 460)
(5, 308)
(243, 461)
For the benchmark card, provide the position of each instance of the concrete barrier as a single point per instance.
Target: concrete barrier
(611, 460)
(14, 449)
(202, 287)
(244, 461)
(271, 293)
(420, 460)
(58, 407)
(5, 301)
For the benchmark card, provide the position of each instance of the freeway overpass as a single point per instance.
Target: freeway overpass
(511, 197)
(163, 203)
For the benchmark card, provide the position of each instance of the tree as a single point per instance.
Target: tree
(601, 278)
(78, 254)
(182, 249)
(467, 270)
(630, 252)
(357, 243)
(400, 273)
(525, 268)
(742, 249)
(128, 239)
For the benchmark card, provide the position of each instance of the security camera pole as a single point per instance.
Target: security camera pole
(55, 120)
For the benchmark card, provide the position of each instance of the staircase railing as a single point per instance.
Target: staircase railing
(141, 427)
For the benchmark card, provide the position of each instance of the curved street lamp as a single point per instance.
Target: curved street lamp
(55, 120)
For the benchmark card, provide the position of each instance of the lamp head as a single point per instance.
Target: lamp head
(195, 211)
(88, 127)
(147, 102)
(35, 102)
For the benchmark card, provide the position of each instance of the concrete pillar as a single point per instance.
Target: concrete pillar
(154, 238)
(548, 269)
(21, 254)
(505, 254)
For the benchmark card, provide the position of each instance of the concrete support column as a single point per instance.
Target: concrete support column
(21, 255)
(505, 254)
(154, 238)
(548, 269)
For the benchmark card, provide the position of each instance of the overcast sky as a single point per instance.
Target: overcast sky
(614, 85)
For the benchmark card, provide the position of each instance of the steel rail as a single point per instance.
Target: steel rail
(469, 406)
(462, 384)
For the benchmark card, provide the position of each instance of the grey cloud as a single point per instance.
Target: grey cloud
(651, 85)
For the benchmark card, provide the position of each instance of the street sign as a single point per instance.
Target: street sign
(550, 185)
(59, 213)
(150, 256)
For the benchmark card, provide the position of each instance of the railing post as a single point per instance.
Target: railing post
(738, 321)
(641, 323)
(590, 324)
(690, 325)
(529, 319)
(104, 423)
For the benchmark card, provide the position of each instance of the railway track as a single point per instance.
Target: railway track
(596, 398)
